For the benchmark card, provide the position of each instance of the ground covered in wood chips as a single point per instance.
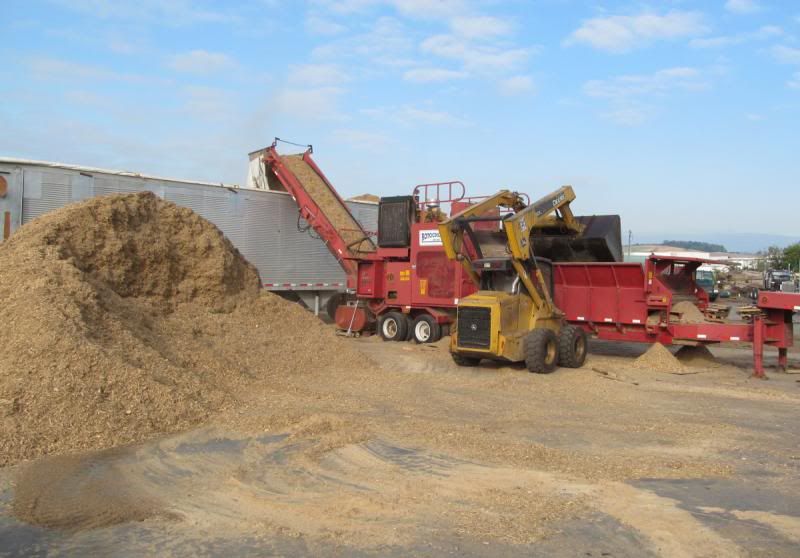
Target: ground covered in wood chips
(242, 426)
(408, 454)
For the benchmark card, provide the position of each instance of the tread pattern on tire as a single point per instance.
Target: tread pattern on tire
(566, 347)
(402, 326)
(536, 343)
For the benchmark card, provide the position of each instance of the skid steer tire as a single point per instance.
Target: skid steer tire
(464, 360)
(393, 326)
(572, 347)
(425, 329)
(541, 351)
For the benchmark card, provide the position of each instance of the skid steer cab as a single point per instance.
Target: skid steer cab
(505, 326)
(512, 316)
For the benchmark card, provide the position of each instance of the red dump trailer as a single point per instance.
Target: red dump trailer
(634, 302)
(403, 280)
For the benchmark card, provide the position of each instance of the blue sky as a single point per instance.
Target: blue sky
(681, 116)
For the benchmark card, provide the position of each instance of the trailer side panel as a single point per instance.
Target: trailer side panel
(262, 224)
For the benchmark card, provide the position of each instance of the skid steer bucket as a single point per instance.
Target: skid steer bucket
(601, 241)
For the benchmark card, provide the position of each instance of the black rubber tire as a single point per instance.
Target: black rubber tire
(572, 347)
(393, 326)
(464, 360)
(425, 329)
(541, 351)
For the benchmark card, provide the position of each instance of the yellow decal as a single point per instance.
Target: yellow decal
(405, 275)
(423, 286)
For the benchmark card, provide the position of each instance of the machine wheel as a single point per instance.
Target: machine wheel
(572, 347)
(541, 351)
(393, 326)
(464, 360)
(425, 329)
(333, 303)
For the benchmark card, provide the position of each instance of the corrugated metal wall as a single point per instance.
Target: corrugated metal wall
(261, 224)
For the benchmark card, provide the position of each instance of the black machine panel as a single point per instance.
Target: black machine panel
(395, 215)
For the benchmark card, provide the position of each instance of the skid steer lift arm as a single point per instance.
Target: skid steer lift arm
(453, 229)
(550, 212)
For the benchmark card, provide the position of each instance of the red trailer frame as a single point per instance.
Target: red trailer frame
(631, 302)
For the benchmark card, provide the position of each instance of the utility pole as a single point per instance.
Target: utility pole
(630, 234)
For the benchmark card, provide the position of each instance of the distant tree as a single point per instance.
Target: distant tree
(696, 245)
(775, 258)
(791, 256)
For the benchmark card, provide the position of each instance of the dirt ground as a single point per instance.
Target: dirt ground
(409, 455)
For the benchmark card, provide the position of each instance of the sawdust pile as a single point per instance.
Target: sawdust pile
(698, 357)
(127, 316)
(338, 215)
(658, 358)
(688, 313)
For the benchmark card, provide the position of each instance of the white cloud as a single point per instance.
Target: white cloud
(56, 69)
(317, 74)
(418, 9)
(387, 43)
(321, 26)
(410, 114)
(88, 98)
(320, 103)
(631, 96)
(121, 46)
(473, 56)
(742, 6)
(624, 33)
(474, 27)
(200, 62)
(346, 6)
(362, 139)
(786, 55)
(208, 103)
(754, 117)
(516, 85)
(688, 79)
(474, 40)
(428, 9)
(431, 116)
(433, 75)
(164, 12)
(763, 33)
(634, 115)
